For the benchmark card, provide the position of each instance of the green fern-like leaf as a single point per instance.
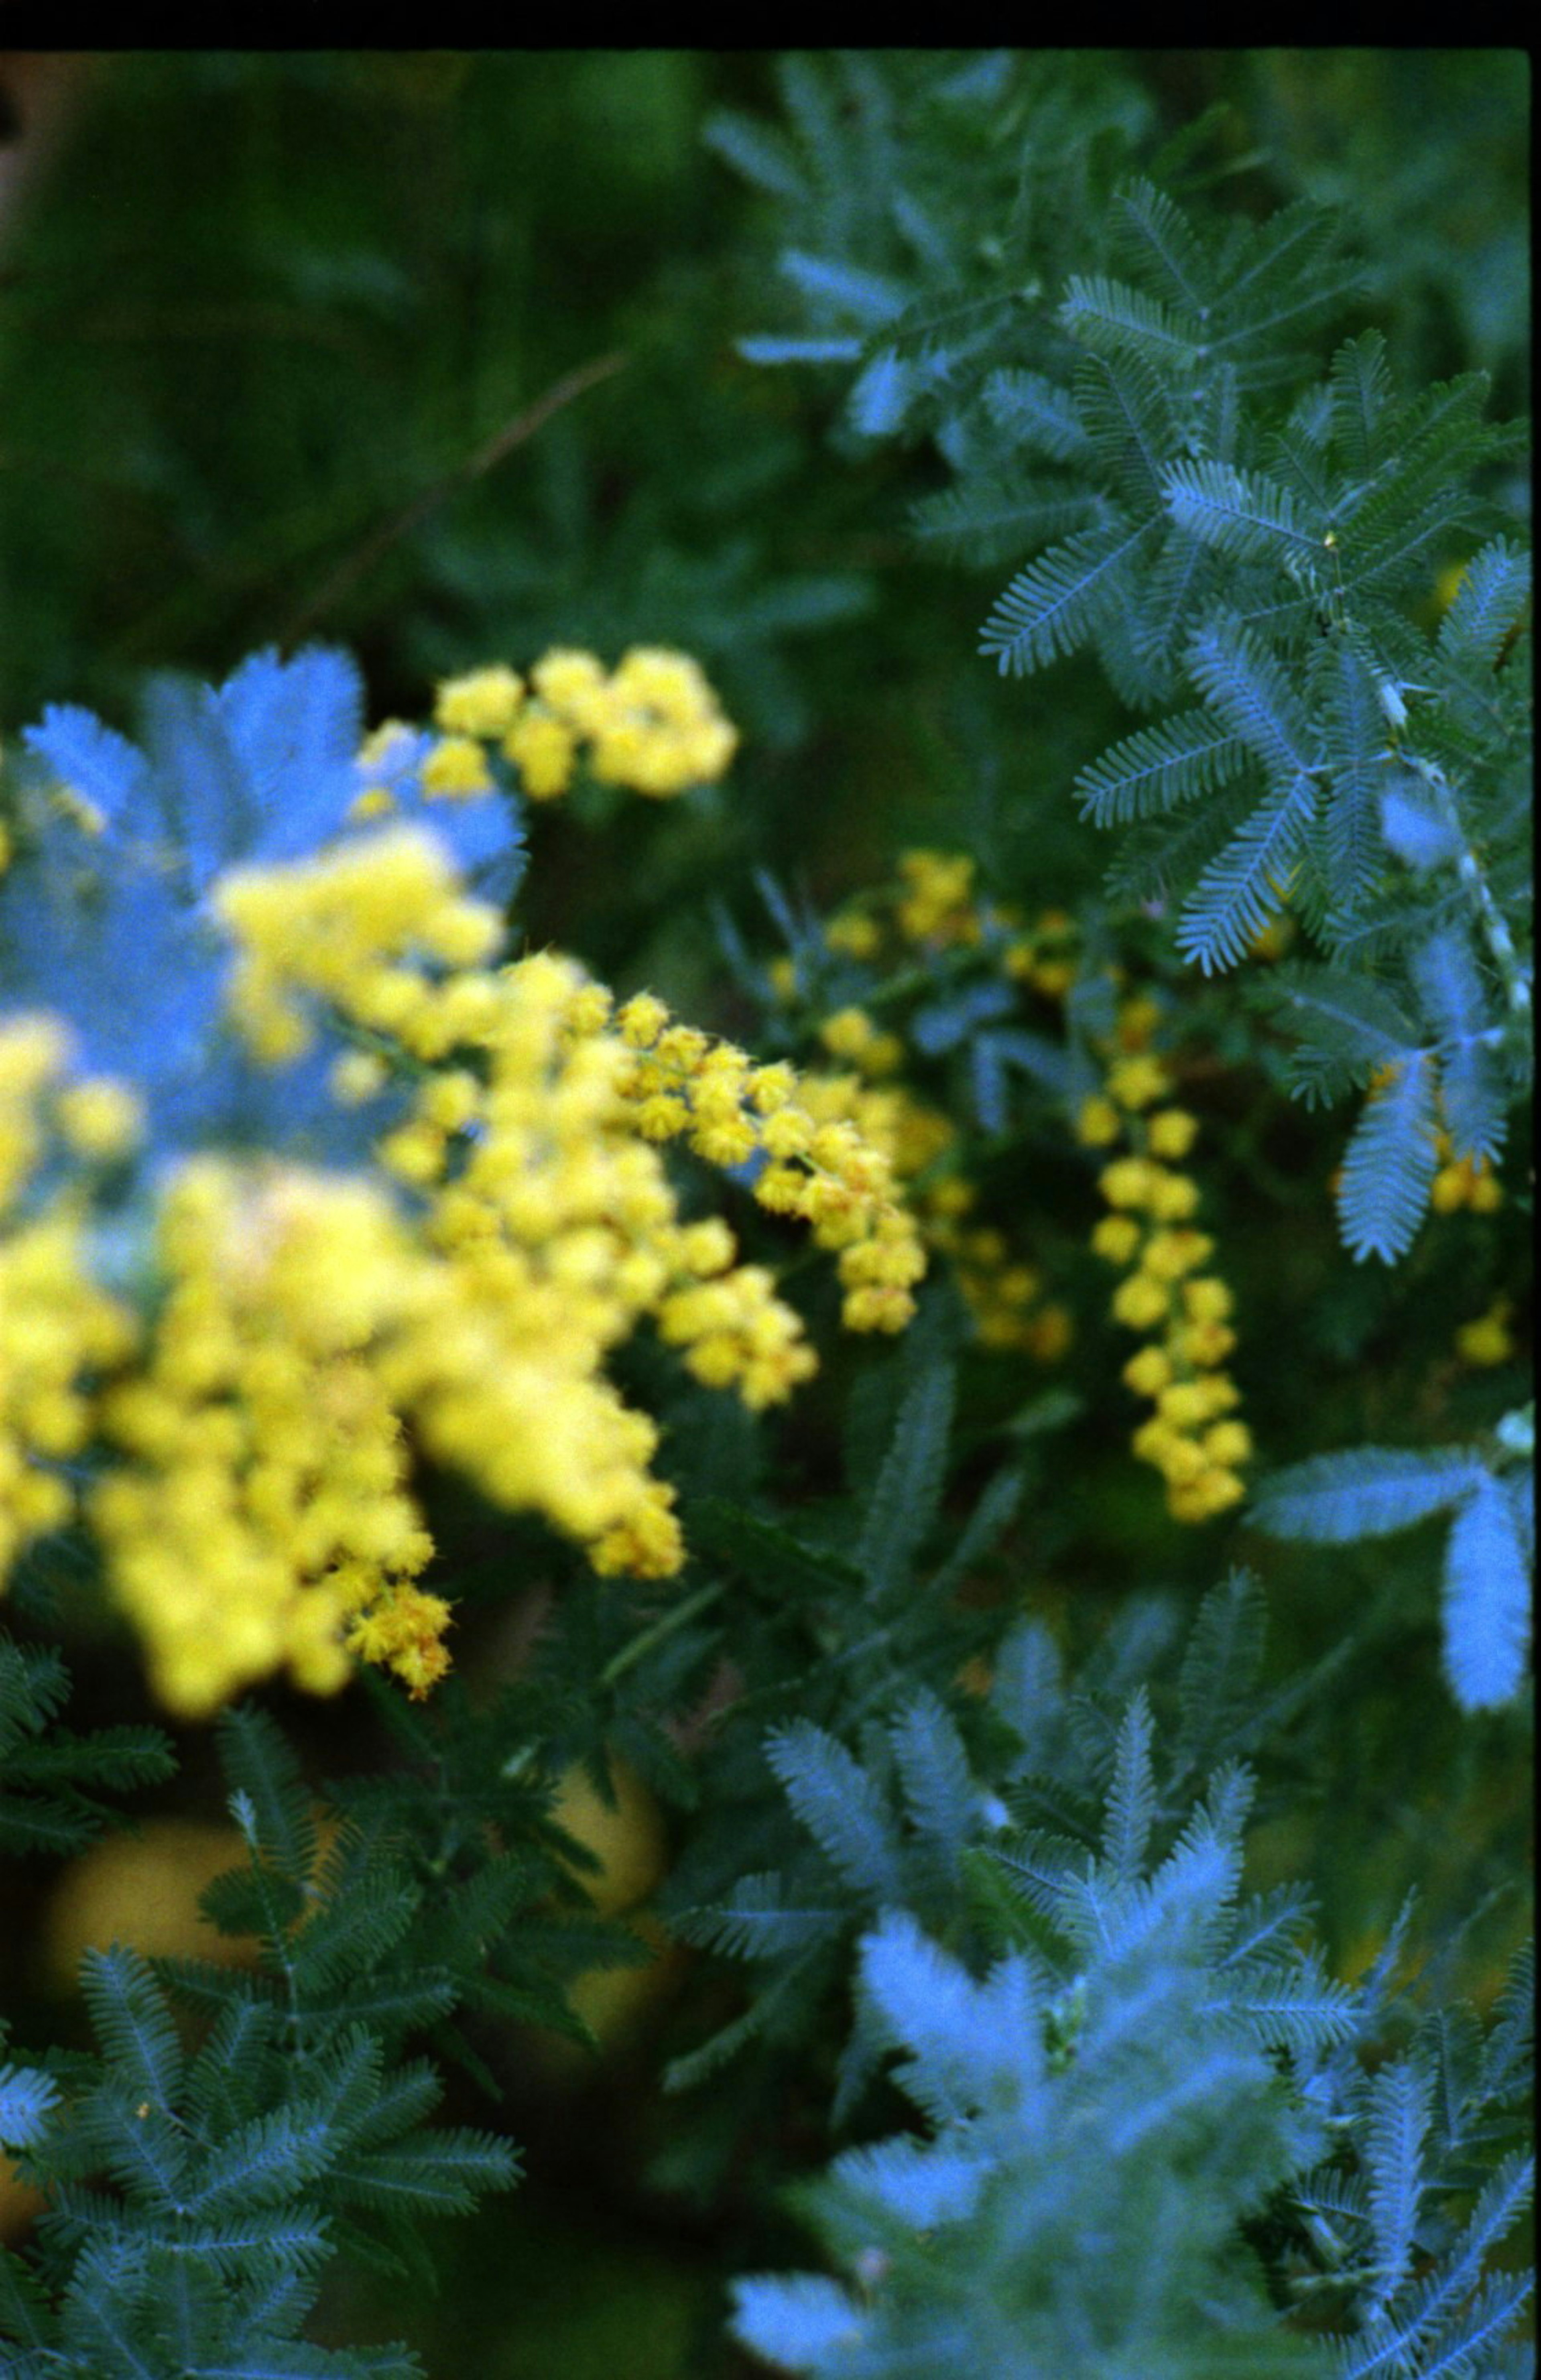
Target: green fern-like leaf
(1055, 604)
(1246, 885)
(1389, 1164)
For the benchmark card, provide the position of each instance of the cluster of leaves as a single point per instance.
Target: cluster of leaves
(240, 2125)
(989, 1945)
(1489, 1554)
(1103, 2041)
(1244, 548)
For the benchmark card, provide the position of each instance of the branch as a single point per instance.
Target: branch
(513, 434)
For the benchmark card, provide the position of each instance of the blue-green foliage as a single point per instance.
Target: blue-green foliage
(107, 923)
(54, 1778)
(1374, 1491)
(198, 2188)
(238, 2128)
(784, 1878)
(1244, 534)
(1150, 2060)
(888, 1802)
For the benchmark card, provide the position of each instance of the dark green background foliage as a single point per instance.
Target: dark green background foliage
(854, 377)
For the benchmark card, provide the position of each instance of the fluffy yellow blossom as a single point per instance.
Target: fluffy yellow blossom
(936, 906)
(1172, 1133)
(1148, 1372)
(1213, 1490)
(57, 1329)
(825, 1168)
(100, 1118)
(1116, 1237)
(660, 729)
(850, 1033)
(1229, 1442)
(1129, 1181)
(1489, 1339)
(1098, 1123)
(1465, 1182)
(544, 750)
(1170, 1255)
(1137, 1082)
(484, 702)
(654, 724)
(455, 770)
(854, 935)
(1196, 1453)
(358, 927)
(357, 1075)
(1207, 1301)
(1171, 1198)
(1141, 1301)
(736, 1334)
(572, 684)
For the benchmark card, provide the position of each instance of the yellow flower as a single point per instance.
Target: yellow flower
(1148, 1372)
(1183, 1404)
(357, 1075)
(544, 750)
(1207, 1301)
(1138, 1020)
(1171, 1198)
(1228, 1443)
(1131, 1182)
(1141, 1301)
(855, 936)
(1172, 1133)
(1116, 1237)
(1489, 1339)
(572, 683)
(1098, 1123)
(1168, 1255)
(455, 770)
(1137, 1082)
(485, 703)
(100, 1118)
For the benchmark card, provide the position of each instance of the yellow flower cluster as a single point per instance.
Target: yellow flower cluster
(258, 1514)
(822, 1167)
(1044, 955)
(935, 905)
(851, 1035)
(1491, 1339)
(1464, 1181)
(97, 1118)
(547, 1209)
(56, 1327)
(355, 926)
(1001, 1293)
(652, 723)
(1149, 1232)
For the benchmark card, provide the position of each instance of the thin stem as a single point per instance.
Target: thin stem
(676, 1617)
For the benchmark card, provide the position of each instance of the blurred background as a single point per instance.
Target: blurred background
(432, 354)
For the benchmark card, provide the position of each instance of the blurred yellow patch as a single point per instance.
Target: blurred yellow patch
(628, 1840)
(20, 2204)
(143, 1892)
